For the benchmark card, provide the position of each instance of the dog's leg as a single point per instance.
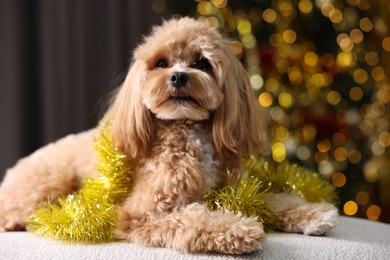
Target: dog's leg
(300, 216)
(51, 171)
(193, 228)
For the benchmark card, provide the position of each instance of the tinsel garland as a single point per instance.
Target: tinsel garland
(245, 194)
(90, 214)
(290, 178)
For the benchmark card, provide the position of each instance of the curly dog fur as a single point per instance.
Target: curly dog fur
(185, 114)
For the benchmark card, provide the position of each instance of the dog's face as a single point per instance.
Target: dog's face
(186, 70)
(181, 62)
(180, 84)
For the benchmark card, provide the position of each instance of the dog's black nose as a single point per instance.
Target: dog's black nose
(179, 79)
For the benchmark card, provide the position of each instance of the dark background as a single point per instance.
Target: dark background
(58, 61)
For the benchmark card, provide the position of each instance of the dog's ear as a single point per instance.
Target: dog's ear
(132, 128)
(237, 124)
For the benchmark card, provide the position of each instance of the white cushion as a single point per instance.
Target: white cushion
(351, 239)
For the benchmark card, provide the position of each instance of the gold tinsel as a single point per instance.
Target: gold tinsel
(245, 194)
(289, 178)
(90, 214)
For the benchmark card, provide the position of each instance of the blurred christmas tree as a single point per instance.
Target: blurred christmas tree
(322, 68)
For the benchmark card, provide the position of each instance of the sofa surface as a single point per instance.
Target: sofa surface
(352, 238)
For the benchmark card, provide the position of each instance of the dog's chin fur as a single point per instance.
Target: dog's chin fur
(181, 140)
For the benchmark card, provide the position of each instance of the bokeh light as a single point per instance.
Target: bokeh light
(386, 44)
(362, 198)
(373, 212)
(339, 180)
(278, 151)
(356, 93)
(366, 24)
(303, 153)
(286, 100)
(305, 6)
(350, 208)
(360, 76)
(270, 16)
(289, 36)
(265, 99)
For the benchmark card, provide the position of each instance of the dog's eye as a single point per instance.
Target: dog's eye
(202, 64)
(163, 63)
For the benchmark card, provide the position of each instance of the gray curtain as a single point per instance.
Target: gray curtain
(58, 60)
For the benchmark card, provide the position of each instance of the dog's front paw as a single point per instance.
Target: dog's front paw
(243, 238)
(322, 220)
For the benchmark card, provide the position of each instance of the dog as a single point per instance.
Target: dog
(185, 114)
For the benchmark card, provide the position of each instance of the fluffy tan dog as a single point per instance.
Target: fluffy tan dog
(185, 114)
